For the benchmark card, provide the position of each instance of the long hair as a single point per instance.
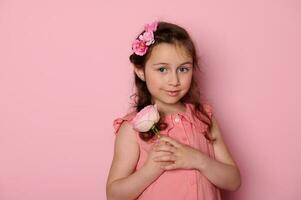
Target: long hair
(171, 34)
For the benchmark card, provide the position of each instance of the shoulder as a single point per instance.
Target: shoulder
(124, 122)
(125, 134)
(208, 108)
(207, 111)
(126, 148)
(124, 131)
(202, 113)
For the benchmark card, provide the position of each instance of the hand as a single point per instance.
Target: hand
(182, 155)
(153, 153)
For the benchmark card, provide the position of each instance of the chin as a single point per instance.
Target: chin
(172, 100)
(166, 99)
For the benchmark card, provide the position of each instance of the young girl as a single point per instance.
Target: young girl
(190, 160)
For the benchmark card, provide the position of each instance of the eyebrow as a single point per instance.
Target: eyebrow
(162, 63)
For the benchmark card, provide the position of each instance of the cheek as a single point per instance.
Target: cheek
(187, 81)
(153, 82)
(153, 79)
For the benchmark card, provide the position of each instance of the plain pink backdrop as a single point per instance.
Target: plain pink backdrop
(65, 75)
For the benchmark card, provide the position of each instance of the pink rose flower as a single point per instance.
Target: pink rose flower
(139, 47)
(148, 37)
(146, 119)
(151, 27)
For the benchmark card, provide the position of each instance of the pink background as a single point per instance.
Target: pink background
(65, 75)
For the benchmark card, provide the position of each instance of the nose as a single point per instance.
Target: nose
(173, 79)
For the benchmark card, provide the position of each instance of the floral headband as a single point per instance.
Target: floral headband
(145, 39)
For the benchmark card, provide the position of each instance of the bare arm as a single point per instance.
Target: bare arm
(223, 172)
(123, 183)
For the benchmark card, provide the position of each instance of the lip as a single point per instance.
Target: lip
(173, 93)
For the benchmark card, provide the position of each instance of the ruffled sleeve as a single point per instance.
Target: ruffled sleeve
(201, 123)
(208, 109)
(118, 121)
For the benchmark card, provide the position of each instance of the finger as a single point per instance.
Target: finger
(170, 140)
(162, 143)
(162, 153)
(159, 142)
(169, 167)
(167, 148)
(164, 158)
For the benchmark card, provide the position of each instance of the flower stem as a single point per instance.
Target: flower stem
(156, 131)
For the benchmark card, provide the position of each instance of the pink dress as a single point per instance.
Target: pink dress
(178, 184)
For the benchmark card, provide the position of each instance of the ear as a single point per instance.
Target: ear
(140, 73)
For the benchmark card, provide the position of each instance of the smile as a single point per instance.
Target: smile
(173, 93)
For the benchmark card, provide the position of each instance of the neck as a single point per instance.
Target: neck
(167, 109)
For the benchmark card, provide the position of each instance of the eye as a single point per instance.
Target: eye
(184, 69)
(161, 69)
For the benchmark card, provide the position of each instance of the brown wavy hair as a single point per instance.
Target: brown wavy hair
(172, 34)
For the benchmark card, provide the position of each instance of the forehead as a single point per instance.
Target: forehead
(169, 53)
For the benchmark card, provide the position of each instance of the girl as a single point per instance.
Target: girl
(190, 160)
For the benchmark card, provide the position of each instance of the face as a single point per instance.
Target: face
(168, 74)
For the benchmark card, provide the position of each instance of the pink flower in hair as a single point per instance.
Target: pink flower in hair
(151, 27)
(139, 47)
(147, 37)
